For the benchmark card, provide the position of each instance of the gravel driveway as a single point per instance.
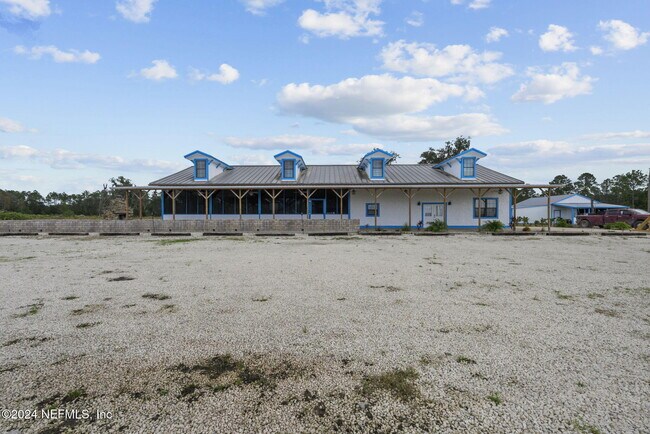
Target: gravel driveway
(467, 333)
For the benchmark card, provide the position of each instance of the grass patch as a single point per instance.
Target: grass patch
(561, 296)
(465, 360)
(177, 241)
(70, 297)
(594, 295)
(89, 308)
(73, 395)
(261, 299)
(495, 398)
(155, 296)
(583, 427)
(607, 312)
(168, 308)
(400, 383)
(85, 325)
(121, 279)
(32, 309)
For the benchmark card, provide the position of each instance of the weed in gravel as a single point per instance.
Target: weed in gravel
(393, 289)
(181, 240)
(607, 312)
(561, 296)
(581, 384)
(85, 325)
(89, 308)
(73, 395)
(399, 383)
(70, 297)
(153, 296)
(479, 376)
(261, 299)
(594, 295)
(11, 342)
(495, 397)
(582, 427)
(189, 390)
(169, 308)
(304, 330)
(33, 309)
(341, 299)
(425, 360)
(480, 303)
(465, 360)
(121, 279)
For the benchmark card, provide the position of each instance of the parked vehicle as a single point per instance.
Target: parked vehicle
(631, 216)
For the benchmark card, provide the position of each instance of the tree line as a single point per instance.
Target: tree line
(630, 189)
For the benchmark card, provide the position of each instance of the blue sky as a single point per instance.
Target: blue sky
(90, 90)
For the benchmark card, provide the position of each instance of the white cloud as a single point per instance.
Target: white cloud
(416, 19)
(343, 19)
(595, 50)
(636, 134)
(538, 153)
(621, 35)
(28, 9)
(474, 4)
(479, 4)
(137, 11)
(259, 7)
(370, 95)
(557, 38)
(495, 34)
(160, 70)
(10, 126)
(459, 62)
(383, 106)
(59, 56)
(425, 128)
(226, 75)
(318, 145)
(560, 82)
(64, 159)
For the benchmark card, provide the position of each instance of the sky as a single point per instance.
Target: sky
(95, 89)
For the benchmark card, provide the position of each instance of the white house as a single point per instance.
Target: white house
(566, 206)
(459, 191)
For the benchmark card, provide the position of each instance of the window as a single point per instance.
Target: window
(288, 169)
(469, 167)
(201, 169)
(489, 208)
(372, 209)
(377, 168)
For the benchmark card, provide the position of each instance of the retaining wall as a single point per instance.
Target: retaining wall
(158, 225)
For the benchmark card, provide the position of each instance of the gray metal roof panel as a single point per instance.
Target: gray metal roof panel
(345, 175)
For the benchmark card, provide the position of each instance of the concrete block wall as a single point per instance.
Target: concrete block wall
(157, 225)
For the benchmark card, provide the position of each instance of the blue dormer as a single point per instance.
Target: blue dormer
(374, 164)
(291, 164)
(462, 165)
(205, 165)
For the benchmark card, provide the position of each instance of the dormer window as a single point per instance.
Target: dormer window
(469, 167)
(201, 167)
(377, 168)
(288, 169)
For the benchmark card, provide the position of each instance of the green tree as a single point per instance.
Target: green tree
(568, 188)
(587, 185)
(435, 156)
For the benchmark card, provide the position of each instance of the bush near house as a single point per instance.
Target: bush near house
(437, 226)
(561, 223)
(618, 226)
(493, 226)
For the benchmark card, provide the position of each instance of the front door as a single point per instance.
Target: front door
(432, 212)
(317, 208)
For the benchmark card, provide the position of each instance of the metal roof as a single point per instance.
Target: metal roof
(334, 175)
(541, 201)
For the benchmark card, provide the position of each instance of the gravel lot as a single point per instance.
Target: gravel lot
(315, 334)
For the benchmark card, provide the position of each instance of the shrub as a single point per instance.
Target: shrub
(437, 226)
(526, 228)
(406, 227)
(618, 225)
(493, 226)
(561, 223)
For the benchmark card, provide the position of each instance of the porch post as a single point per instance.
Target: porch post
(174, 195)
(480, 199)
(444, 205)
(140, 202)
(240, 197)
(126, 204)
(410, 219)
(548, 208)
(515, 194)
(273, 202)
(341, 204)
(375, 190)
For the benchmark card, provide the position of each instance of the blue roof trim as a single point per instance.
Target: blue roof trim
(364, 160)
(460, 155)
(227, 166)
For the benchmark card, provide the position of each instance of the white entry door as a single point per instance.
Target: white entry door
(432, 212)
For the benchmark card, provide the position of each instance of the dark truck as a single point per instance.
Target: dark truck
(631, 216)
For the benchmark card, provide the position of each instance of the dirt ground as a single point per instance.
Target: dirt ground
(469, 333)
